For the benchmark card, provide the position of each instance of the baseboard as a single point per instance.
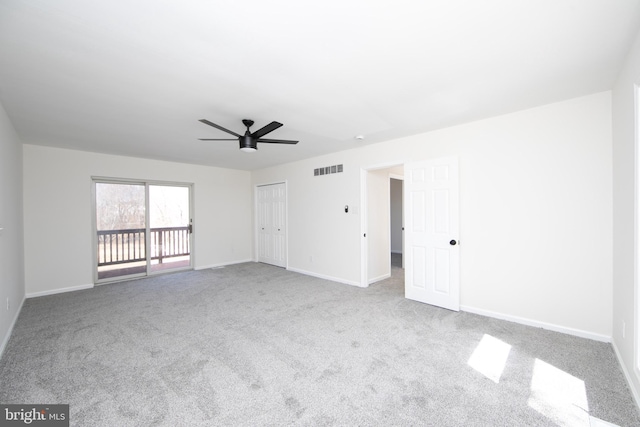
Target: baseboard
(627, 375)
(5, 341)
(379, 278)
(325, 277)
(222, 264)
(59, 291)
(537, 324)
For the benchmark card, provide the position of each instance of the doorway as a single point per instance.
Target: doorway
(430, 232)
(396, 226)
(141, 228)
(382, 221)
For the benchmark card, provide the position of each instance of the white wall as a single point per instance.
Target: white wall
(396, 186)
(535, 220)
(625, 292)
(11, 248)
(322, 238)
(57, 212)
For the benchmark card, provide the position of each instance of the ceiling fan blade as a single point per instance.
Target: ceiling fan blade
(207, 122)
(215, 139)
(265, 130)
(278, 141)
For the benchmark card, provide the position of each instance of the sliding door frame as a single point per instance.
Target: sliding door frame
(146, 183)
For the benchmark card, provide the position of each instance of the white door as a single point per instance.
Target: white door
(272, 226)
(431, 232)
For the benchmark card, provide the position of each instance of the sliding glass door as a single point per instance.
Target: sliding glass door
(121, 229)
(141, 228)
(170, 227)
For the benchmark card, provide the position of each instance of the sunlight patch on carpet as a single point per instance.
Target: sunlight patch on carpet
(490, 357)
(558, 395)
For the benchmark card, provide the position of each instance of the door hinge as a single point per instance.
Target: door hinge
(190, 228)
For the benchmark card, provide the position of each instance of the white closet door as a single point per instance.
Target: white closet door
(272, 224)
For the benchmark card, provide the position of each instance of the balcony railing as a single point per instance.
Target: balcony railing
(126, 246)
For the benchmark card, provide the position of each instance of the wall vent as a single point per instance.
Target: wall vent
(327, 170)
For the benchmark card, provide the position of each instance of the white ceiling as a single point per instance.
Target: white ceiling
(134, 77)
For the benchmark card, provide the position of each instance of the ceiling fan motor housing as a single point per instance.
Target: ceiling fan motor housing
(248, 143)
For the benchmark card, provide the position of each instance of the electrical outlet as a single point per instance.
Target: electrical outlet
(624, 329)
(310, 258)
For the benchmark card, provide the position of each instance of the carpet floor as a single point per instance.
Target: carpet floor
(252, 344)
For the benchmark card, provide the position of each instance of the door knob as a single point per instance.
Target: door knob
(453, 242)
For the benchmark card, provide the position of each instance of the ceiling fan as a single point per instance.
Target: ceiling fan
(249, 141)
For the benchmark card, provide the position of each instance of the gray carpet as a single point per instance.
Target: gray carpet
(252, 344)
